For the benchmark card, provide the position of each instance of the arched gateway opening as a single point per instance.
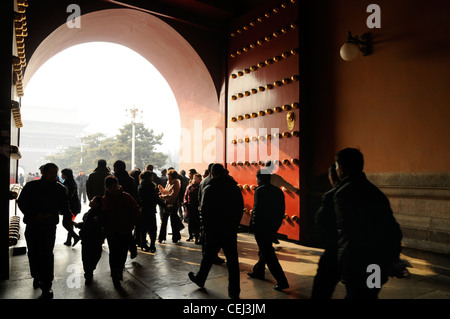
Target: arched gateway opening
(172, 56)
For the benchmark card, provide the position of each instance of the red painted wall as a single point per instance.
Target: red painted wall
(392, 104)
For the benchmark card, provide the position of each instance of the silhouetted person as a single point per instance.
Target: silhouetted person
(74, 205)
(327, 276)
(81, 180)
(278, 180)
(29, 177)
(92, 237)
(191, 205)
(163, 182)
(95, 185)
(155, 178)
(191, 174)
(127, 182)
(206, 179)
(148, 199)
(163, 177)
(41, 202)
(120, 211)
(184, 184)
(368, 233)
(129, 185)
(221, 212)
(135, 173)
(268, 213)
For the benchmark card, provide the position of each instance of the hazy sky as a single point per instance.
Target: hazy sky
(98, 81)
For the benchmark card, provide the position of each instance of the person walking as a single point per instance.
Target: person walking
(148, 199)
(191, 174)
(268, 213)
(184, 184)
(206, 178)
(135, 173)
(129, 185)
(120, 211)
(327, 276)
(170, 194)
(163, 178)
(221, 212)
(191, 205)
(155, 177)
(81, 180)
(368, 234)
(163, 182)
(41, 202)
(74, 205)
(95, 184)
(278, 180)
(29, 177)
(127, 181)
(92, 237)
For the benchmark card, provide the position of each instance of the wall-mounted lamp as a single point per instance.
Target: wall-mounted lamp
(355, 44)
(14, 152)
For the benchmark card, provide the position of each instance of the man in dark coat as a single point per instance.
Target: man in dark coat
(205, 181)
(155, 178)
(127, 182)
(95, 185)
(268, 213)
(221, 212)
(148, 199)
(41, 202)
(129, 185)
(184, 184)
(81, 180)
(120, 215)
(327, 276)
(369, 238)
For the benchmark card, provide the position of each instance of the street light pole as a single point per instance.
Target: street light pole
(134, 112)
(133, 146)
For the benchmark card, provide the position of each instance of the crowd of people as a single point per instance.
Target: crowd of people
(356, 216)
(123, 207)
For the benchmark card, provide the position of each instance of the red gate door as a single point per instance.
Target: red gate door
(263, 104)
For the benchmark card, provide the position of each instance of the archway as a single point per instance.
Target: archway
(174, 58)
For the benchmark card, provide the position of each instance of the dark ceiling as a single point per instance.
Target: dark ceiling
(212, 14)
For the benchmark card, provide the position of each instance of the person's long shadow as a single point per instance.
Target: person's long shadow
(283, 254)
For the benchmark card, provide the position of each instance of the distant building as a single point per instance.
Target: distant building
(41, 138)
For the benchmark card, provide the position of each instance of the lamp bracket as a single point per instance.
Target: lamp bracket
(363, 42)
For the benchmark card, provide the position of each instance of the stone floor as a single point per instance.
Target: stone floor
(164, 275)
